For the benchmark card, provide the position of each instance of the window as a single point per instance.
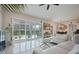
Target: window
(15, 31)
(33, 31)
(28, 33)
(38, 30)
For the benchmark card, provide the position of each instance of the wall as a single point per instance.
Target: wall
(0, 17)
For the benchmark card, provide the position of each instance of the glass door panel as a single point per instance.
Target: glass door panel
(22, 32)
(23, 46)
(15, 31)
(33, 31)
(38, 30)
(28, 33)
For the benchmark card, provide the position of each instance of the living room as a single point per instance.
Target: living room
(38, 28)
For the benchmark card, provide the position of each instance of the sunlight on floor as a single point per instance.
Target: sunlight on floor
(23, 47)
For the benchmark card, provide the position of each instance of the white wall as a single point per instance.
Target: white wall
(0, 17)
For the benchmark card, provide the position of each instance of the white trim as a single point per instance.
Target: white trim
(28, 21)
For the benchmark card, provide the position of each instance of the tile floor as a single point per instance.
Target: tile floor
(25, 47)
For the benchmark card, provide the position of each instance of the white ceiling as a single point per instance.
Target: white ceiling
(55, 13)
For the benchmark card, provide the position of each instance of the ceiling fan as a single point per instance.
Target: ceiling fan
(48, 5)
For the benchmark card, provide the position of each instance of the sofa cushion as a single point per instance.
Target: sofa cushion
(75, 49)
(55, 50)
(62, 48)
(68, 45)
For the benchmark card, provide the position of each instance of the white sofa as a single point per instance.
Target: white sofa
(68, 47)
(62, 48)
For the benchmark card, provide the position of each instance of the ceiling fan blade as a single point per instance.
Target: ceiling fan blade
(48, 7)
(41, 4)
(56, 4)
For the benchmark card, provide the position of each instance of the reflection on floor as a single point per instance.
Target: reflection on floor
(22, 47)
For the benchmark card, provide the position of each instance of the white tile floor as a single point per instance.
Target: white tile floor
(22, 47)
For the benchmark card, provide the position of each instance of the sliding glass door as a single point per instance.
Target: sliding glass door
(26, 35)
(23, 31)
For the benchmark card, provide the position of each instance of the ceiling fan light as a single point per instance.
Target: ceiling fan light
(48, 7)
(56, 4)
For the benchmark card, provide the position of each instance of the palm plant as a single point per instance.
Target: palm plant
(13, 7)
